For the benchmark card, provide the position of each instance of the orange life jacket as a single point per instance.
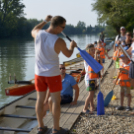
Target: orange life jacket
(92, 74)
(124, 79)
(102, 52)
(115, 55)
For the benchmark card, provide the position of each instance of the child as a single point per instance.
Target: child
(116, 55)
(124, 82)
(101, 48)
(90, 79)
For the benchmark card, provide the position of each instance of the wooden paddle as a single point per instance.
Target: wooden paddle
(110, 94)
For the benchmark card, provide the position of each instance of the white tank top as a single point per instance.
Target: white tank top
(46, 59)
(132, 51)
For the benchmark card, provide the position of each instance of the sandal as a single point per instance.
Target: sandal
(41, 130)
(61, 131)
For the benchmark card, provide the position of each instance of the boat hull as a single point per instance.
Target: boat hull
(18, 90)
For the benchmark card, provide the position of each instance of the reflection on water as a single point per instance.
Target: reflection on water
(17, 56)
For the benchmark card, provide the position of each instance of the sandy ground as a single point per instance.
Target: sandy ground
(114, 121)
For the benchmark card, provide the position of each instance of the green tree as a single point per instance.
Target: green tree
(115, 13)
(81, 27)
(10, 13)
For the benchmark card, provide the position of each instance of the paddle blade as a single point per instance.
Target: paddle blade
(90, 61)
(108, 98)
(100, 104)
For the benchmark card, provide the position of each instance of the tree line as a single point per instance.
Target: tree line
(115, 13)
(13, 22)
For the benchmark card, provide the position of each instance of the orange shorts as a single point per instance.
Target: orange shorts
(53, 83)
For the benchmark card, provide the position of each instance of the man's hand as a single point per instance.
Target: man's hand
(74, 103)
(73, 44)
(48, 18)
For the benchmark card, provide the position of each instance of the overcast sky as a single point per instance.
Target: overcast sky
(72, 10)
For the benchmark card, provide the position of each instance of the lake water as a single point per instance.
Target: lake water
(17, 56)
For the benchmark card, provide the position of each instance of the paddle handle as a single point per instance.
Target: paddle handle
(66, 36)
(116, 79)
(125, 53)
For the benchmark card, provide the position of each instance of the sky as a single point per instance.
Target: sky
(72, 10)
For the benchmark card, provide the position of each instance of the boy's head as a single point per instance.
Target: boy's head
(95, 42)
(90, 49)
(99, 43)
(124, 59)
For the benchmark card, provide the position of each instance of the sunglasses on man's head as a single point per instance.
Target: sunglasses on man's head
(62, 68)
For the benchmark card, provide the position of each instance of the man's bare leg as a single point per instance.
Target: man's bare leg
(46, 107)
(39, 107)
(56, 109)
(50, 104)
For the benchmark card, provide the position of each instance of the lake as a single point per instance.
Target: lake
(17, 57)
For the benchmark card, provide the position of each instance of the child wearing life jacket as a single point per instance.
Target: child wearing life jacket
(90, 79)
(124, 82)
(116, 55)
(101, 48)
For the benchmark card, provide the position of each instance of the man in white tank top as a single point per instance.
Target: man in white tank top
(47, 74)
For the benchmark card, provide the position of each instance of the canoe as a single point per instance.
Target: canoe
(73, 61)
(19, 89)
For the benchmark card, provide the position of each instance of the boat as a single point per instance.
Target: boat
(20, 88)
(21, 111)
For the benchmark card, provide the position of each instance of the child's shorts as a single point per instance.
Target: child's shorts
(103, 60)
(91, 85)
(125, 90)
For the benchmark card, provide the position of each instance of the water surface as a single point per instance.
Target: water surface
(17, 56)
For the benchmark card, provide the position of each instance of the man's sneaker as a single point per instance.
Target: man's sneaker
(120, 108)
(128, 108)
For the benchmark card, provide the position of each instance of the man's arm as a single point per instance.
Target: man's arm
(40, 26)
(60, 45)
(76, 88)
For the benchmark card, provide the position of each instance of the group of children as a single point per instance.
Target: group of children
(122, 79)
(98, 53)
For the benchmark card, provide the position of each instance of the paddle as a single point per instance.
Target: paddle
(110, 94)
(88, 58)
(100, 101)
(126, 53)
